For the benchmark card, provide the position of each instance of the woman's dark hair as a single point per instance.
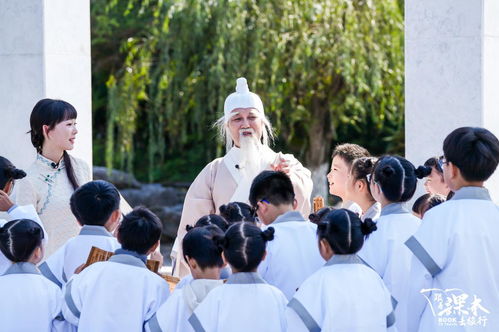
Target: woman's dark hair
(361, 167)
(318, 216)
(397, 177)
(244, 245)
(211, 219)
(50, 112)
(344, 231)
(9, 172)
(204, 244)
(474, 151)
(19, 239)
(139, 230)
(94, 202)
(237, 212)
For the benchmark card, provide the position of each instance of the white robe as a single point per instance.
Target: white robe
(117, 295)
(373, 213)
(386, 253)
(293, 255)
(456, 261)
(60, 266)
(29, 302)
(173, 315)
(244, 303)
(216, 184)
(20, 212)
(344, 295)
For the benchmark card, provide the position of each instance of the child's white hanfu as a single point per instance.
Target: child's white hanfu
(118, 295)
(20, 212)
(245, 303)
(454, 282)
(385, 252)
(293, 255)
(344, 295)
(173, 315)
(29, 302)
(60, 266)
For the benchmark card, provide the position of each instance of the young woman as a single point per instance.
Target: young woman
(55, 174)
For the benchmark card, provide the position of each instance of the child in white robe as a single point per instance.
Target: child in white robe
(203, 253)
(358, 189)
(208, 220)
(29, 302)
(393, 182)
(455, 264)
(120, 294)
(8, 175)
(245, 302)
(96, 208)
(293, 256)
(345, 294)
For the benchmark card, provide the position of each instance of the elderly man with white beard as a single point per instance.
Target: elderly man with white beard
(247, 133)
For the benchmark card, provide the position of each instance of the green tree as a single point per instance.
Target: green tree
(328, 71)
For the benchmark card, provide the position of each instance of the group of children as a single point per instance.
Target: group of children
(370, 266)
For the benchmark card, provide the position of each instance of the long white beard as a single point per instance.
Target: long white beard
(252, 161)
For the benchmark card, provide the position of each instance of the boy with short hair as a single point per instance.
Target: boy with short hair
(96, 206)
(292, 256)
(120, 294)
(456, 252)
(342, 159)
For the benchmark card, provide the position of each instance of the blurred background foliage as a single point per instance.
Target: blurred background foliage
(327, 71)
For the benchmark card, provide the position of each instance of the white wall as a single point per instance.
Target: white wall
(451, 73)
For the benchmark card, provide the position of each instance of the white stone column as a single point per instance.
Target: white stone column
(44, 53)
(451, 73)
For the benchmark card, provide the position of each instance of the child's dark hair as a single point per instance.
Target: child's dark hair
(349, 152)
(50, 112)
(397, 177)
(433, 163)
(244, 245)
(361, 167)
(211, 219)
(318, 216)
(344, 231)
(204, 244)
(237, 212)
(139, 230)
(19, 239)
(9, 172)
(273, 186)
(426, 202)
(94, 202)
(474, 151)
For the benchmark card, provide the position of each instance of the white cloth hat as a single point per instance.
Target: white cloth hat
(242, 98)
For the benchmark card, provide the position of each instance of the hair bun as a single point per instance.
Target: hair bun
(189, 227)
(387, 171)
(268, 234)
(369, 163)
(223, 208)
(18, 174)
(422, 171)
(368, 226)
(220, 241)
(315, 218)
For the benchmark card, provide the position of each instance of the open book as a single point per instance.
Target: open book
(318, 203)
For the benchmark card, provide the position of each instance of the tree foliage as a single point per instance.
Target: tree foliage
(327, 71)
